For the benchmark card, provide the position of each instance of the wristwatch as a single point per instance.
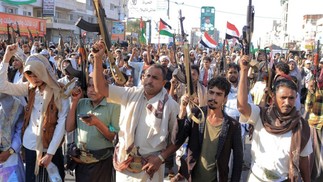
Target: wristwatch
(11, 151)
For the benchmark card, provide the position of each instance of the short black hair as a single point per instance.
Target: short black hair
(284, 83)
(283, 67)
(195, 67)
(158, 66)
(207, 58)
(221, 83)
(234, 65)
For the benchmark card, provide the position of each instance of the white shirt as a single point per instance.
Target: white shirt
(29, 138)
(18, 79)
(270, 151)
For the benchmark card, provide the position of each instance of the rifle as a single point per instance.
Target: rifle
(60, 46)
(181, 19)
(71, 39)
(317, 70)
(83, 62)
(223, 66)
(13, 33)
(269, 79)
(9, 34)
(31, 38)
(174, 48)
(18, 30)
(247, 30)
(103, 30)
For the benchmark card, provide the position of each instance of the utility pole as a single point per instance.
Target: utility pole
(168, 9)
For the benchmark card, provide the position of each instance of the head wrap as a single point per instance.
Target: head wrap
(39, 65)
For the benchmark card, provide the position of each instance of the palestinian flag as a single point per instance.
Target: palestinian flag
(165, 29)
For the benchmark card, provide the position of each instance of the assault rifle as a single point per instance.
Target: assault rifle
(247, 30)
(18, 30)
(8, 34)
(223, 64)
(31, 38)
(317, 71)
(103, 30)
(60, 46)
(187, 61)
(13, 33)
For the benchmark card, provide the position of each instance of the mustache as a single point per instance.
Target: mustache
(148, 84)
(288, 106)
(212, 100)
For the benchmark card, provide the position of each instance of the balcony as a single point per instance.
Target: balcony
(56, 23)
(65, 4)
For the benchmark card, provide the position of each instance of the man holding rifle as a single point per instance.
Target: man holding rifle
(281, 140)
(147, 116)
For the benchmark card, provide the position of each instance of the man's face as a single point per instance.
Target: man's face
(216, 98)
(33, 79)
(195, 75)
(232, 75)
(285, 99)
(16, 64)
(291, 65)
(26, 49)
(311, 86)
(153, 81)
(206, 64)
(164, 62)
(308, 65)
(94, 96)
(321, 65)
(261, 57)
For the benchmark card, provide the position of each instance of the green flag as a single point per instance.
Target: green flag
(19, 2)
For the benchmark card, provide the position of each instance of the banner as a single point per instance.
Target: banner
(118, 31)
(19, 2)
(35, 25)
(207, 19)
(48, 8)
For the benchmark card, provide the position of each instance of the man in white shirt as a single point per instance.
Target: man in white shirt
(45, 114)
(281, 142)
(147, 116)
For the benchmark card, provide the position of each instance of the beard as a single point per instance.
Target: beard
(212, 104)
(233, 80)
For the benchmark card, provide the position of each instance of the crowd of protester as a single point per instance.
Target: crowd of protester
(60, 107)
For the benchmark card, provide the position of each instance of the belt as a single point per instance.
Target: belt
(138, 162)
(270, 175)
(93, 156)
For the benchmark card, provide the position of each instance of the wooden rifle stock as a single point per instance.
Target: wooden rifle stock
(117, 75)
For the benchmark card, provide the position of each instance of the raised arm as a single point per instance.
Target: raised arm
(100, 84)
(243, 106)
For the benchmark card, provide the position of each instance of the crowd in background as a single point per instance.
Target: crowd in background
(55, 85)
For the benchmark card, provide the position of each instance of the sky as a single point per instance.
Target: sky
(233, 11)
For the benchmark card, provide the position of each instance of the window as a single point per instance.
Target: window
(112, 6)
(71, 17)
(90, 19)
(11, 10)
(39, 13)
